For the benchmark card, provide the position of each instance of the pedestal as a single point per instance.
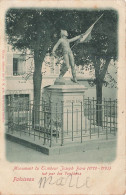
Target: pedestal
(65, 109)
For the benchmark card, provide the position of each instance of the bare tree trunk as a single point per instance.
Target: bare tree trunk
(99, 103)
(100, 75)
(37, 80)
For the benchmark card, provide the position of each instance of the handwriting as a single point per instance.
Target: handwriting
(62, 181)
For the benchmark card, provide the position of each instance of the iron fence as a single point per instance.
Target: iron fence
(59, 124)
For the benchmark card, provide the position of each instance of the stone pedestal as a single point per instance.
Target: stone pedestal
(65, 108)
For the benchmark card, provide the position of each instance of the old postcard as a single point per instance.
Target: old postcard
(62, 97)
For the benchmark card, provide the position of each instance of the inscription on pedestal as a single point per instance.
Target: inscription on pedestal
(66, 108)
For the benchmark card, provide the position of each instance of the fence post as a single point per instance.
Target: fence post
(93, 115)
(98, 116)
(72, 121)
(8, 112)
(88, 107)
(116, 113)
(110, 115)
(76, 120)
(106, 121)
(85, 116)
(18, 119)
(21, 111)
(62, 121)
(102, 118)
(90, 118)
(9, 117)
(24, 116)
(13, 115)
(115, 117)
(30, 117)
(51, 114)
(34, 120)
(81, 123)
(67, 120)
(56, 124)
(104, 113)
(44, 114)
(39, 110)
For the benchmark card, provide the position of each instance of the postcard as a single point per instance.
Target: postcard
(62, 97)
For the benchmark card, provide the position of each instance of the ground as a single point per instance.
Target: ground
(18, 153)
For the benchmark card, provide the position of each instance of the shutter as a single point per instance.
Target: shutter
(9, 64)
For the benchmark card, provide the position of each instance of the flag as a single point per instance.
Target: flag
(85, 37)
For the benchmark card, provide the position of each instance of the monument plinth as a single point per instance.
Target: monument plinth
(66, 105)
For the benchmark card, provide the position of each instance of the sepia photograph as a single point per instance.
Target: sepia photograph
(61, 92)
(62, 98)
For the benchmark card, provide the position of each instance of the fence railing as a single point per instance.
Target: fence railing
(59, 124)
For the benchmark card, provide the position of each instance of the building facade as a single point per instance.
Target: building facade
(19, 76)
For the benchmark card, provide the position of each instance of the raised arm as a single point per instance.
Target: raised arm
(56, 46)
(75, 38)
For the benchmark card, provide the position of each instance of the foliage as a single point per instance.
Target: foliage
(25, 27)
(39, 29)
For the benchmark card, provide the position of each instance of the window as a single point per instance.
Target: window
(15, 66)
(16, 99)
(19, 67)
(15, 104)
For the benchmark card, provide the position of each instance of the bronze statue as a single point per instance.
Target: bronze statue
(67, 54)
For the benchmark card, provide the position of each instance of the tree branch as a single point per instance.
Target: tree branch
(97, 67)
(105, 67)
(28, 58)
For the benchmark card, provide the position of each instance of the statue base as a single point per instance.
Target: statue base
(64, 81)
(66, 109)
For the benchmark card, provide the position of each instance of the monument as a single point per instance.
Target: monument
(65, 99)
(67, 54)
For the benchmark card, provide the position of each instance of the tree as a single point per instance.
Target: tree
(39, 29)
(100, 51)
